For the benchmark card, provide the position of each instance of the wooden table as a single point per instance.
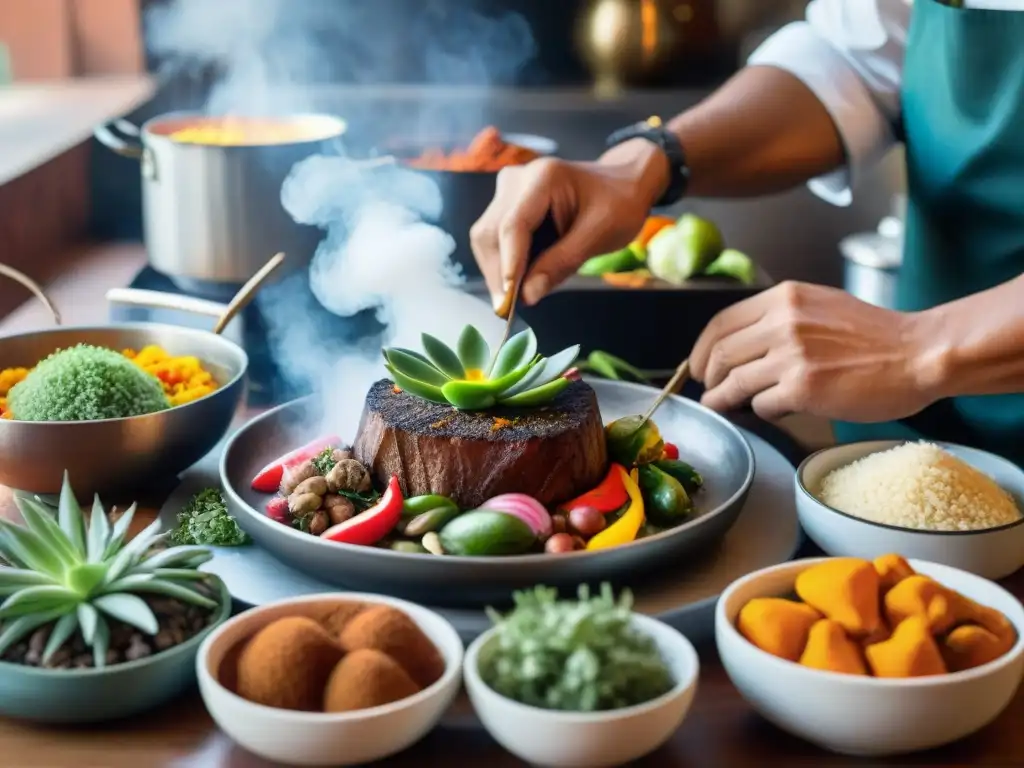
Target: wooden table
(720, 731)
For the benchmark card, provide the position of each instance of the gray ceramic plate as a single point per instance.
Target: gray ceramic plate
(766, 533)
(714, 446)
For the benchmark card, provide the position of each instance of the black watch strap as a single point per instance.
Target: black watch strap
(668, 142)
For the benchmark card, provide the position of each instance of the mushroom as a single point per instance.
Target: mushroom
(348, 475)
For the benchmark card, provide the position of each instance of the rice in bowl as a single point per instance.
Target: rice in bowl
(921, 486)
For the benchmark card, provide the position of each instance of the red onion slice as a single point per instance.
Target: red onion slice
(526, 508)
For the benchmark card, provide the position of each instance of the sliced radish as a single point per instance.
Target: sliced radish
(277, 509)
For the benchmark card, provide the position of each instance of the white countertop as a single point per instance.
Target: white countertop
(39, 121)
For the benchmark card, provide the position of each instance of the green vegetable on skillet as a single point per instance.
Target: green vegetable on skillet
(665, 500)
(623, 260)
(630, 446)
(205, 520)
(609, 366)
(581, 655)
(680, 252)
(484, 532)
(417, 505)
(733, 264)
(431, 520)
(683, 472)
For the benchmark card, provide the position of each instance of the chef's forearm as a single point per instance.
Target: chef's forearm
(763, 131)
(974, 346)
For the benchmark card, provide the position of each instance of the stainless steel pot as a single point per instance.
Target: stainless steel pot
(872, 263)
(211, 212)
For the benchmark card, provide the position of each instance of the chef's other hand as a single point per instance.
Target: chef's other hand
(597, 207)
(800, 348)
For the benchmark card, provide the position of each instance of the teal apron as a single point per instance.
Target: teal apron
(963, 126)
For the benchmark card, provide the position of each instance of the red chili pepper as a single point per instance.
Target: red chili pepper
(607, 497)
(277, 509)
(670, 452)
(374, 524)
(268, 479)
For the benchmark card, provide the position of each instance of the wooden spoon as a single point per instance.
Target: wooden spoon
(247, 292)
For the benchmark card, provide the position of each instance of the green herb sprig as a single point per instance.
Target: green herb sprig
(324, 461)
(205, 521)
(580, 655)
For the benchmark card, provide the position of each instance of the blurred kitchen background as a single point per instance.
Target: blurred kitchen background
(589, 73)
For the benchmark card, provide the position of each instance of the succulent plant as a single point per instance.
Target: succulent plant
(470, 379)
(78, 575)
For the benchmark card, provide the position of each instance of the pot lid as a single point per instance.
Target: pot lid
(874, 250)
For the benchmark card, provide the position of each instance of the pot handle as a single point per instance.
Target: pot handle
(139, 297)
(105, 135)
(33, 287)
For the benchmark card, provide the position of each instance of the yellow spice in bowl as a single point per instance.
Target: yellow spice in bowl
(919, 485)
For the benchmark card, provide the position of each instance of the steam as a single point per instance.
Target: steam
(378, 255)
(269, 52)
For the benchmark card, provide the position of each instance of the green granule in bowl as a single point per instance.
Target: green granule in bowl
(86, 383)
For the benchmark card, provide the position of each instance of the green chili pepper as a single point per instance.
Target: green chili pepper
(431, 520)
(612, 367)
(417, 505)
(622, 260)
(599, 364)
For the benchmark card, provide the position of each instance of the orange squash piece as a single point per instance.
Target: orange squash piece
(970, 646)
(892, 569)
(910, 652)
(844, 589)
(923, 597)
(830, 649)
(777, 626)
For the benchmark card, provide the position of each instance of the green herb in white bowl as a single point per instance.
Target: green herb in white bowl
(584, 655)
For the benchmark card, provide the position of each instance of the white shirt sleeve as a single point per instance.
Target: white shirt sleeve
(850, 54)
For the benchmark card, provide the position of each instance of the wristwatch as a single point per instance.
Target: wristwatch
(667, 142)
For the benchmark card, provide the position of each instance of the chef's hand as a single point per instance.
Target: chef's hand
(597, 207)
(800, 348)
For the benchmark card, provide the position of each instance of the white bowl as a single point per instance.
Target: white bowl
(587, 739)
(993, 553)
(316, 738)
(867, 716)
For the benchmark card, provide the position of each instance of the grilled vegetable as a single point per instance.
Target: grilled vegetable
(623, 260)
(678, 253)
(734, 264)
(486, 532)
(683, 472)
(630, 444)
(665, 500)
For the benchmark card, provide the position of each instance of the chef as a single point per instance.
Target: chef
(819, 102)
